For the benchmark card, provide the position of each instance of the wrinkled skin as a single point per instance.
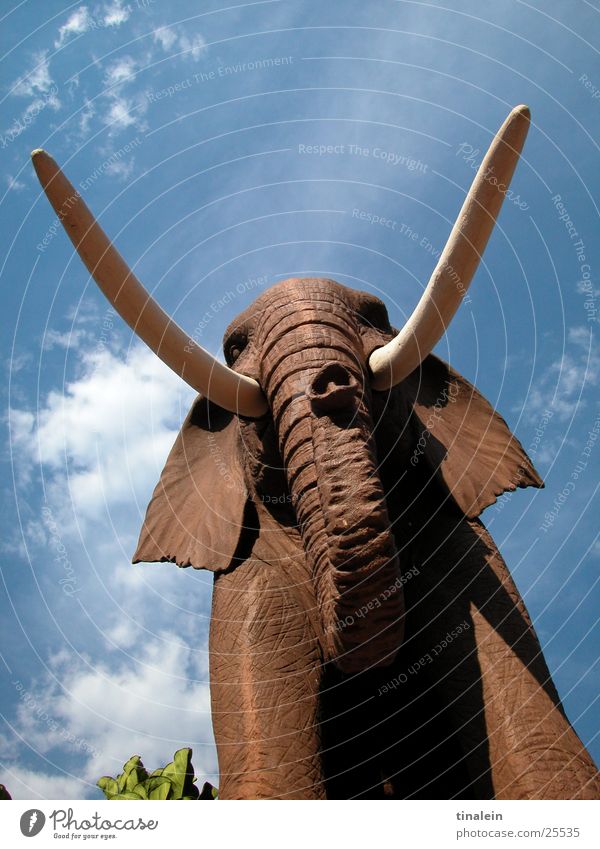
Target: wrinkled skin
(366, 640)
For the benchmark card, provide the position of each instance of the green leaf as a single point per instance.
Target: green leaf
(129, 795)
(178, 771)
(174, 781)
(108, 786)
(126, 781)
(134, 762)
(141, 790)
(133, 779)
(159, 787)
(208, 791)
(183, 762)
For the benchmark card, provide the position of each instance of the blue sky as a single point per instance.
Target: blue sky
(224, 151)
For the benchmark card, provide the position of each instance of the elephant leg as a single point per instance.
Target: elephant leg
(265, 669)
(533, 751)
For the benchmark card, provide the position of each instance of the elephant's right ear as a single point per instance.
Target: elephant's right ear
(196, 515)
(464, 441)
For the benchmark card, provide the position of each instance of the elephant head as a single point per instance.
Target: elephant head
(321, 409)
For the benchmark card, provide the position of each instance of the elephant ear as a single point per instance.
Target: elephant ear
(196, 514)
(467, 444)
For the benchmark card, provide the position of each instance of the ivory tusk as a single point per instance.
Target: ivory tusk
(203, 372)
(452, 275)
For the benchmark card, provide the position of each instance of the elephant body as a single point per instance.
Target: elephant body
(480, 719)
(367, 640)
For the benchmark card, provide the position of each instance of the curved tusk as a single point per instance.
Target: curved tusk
(459, 260)
(223, 386)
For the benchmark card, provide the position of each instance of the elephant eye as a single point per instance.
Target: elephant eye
(374, 314)
(235, 346)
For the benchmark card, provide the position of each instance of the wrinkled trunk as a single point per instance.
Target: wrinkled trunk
(346, 533)
(331, 467)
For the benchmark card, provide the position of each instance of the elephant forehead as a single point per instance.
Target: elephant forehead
(289, 291)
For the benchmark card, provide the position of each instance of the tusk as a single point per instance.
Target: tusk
(459, 260)
(223, 386)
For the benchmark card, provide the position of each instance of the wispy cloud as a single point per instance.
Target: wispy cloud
(107, 711)
(56, 339)
(94, 428)
(121, 169)
(114, 14)
(191, 46)
(13, 184)
(78, 22)
(82, 20)
(100, 443)
(165, 37)
(566, 378)
(36, 81)
(124, 112)
(29, 784)
(121, 71)
(85, 118)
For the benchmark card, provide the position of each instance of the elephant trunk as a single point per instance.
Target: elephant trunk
(347, 535)
(316, 389)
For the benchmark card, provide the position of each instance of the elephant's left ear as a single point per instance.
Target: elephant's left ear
(196, 515)
(463, 440)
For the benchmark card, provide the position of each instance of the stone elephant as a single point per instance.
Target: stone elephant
(367, 640)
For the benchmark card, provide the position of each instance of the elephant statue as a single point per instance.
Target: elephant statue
(367, 640)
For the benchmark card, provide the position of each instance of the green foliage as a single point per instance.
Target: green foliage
(5, 795)
(174, 781)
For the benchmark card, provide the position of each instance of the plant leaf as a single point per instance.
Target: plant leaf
(129, 795)
(141, 790)
(108, 786)
(159, 787)
(208, 791)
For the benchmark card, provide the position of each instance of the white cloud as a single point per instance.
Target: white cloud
(28, 784)
(36, 81)
(109, 430)
(78, 23)
(56, 339)
(18, 362)
(102, 441)
(121, 168)
(122, 113)
(73, 84)
(115, 14)
(121, 71)
(14, 185)
(193, 46)
(169, 40)
(30, 114)
(166, 37)
(13, 543)
(85, 118)
(151, 704)
(567, 378)
(22, 423)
